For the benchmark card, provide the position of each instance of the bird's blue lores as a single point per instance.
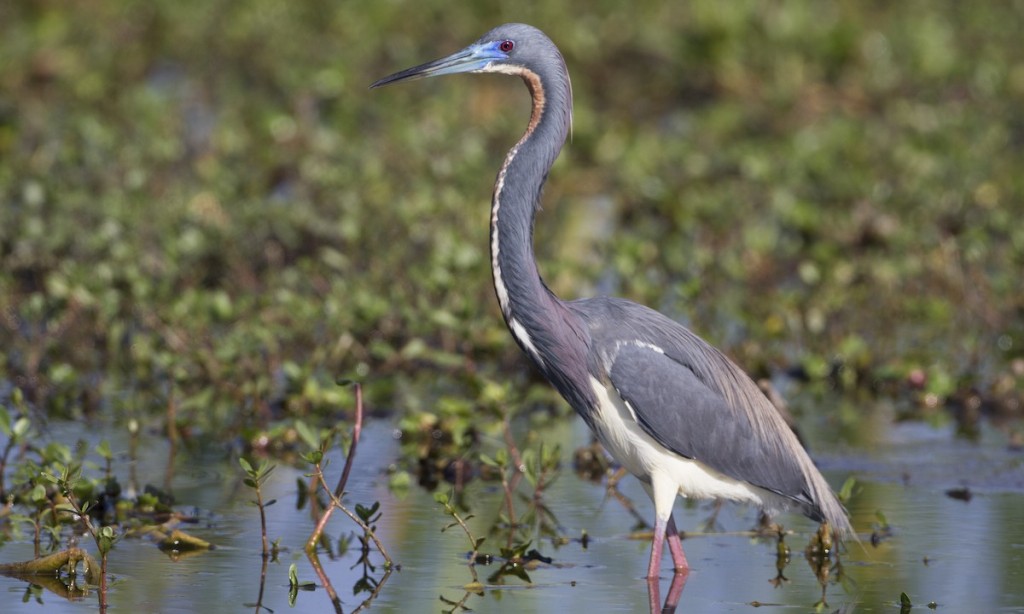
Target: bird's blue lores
(670, 408)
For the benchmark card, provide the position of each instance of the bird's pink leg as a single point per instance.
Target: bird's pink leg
(682, 569)
(656, 542)
(662, 531)
(675, 546)
(663, 493)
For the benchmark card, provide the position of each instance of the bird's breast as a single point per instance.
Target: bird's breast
(616, 427)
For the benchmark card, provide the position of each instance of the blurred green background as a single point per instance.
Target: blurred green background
(202, 204)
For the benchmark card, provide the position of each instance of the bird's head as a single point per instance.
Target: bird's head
(512, 48)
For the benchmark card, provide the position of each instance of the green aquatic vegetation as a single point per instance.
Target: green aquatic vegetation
(824, 560)
(364, 517)
(16, 429)
(67, 480)
(474, 557)
(782, 559)
(540, 466)
(57, 572)
(58, 492)
(187, 217)
(254, 479)
(178, 542)
(295, 585)
(204, 218)
(294, 437)
(847, 490)
(905, 604)
(880, 529)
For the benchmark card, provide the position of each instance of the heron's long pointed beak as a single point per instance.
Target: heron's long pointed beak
(475, 58)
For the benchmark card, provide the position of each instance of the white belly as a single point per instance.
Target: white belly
(620, 434)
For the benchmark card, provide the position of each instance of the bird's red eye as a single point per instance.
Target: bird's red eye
(507, 46)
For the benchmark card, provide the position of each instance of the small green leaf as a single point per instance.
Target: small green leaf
(905, 600)
(264, 470)
(881, 518)
(847, 490)
(303, 493)
(441, 497)
(366, 513)
(310, 437)
(293, 575)
(37, 494)
(399, 482)
(20, 428)
(487, 460)
(103, 449)
(66, 507)
(314, 457)
(245, 465)
(105, 539)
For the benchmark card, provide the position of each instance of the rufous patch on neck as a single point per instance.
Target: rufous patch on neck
(534, 84)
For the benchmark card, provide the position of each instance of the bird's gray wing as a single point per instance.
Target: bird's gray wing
(682, 412)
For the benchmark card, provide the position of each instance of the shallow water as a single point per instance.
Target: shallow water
(964, 556)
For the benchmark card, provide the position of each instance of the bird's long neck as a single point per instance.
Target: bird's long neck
(532, 312)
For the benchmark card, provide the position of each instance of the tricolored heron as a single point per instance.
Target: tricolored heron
(669, 407)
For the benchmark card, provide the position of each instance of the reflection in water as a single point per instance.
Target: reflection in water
(263, 584)
(820, 553)
(367, 582)
(612, 490)
(781, 560)
(58, 574)
(365, 517)
(675, 591)
(460, 605)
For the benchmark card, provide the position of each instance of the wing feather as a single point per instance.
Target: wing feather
(696, 402)
(681, 412)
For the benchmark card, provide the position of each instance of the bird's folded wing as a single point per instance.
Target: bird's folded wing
(681, 412)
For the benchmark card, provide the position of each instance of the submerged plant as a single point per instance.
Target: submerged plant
(365, 517)
(474, 542)
(316, 458)
(255, 477)
(66, 481)
(295, 585)
(509, 465)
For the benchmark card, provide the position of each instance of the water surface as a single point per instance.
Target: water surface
(964, 556)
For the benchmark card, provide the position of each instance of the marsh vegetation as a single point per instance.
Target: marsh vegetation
(207, 221)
